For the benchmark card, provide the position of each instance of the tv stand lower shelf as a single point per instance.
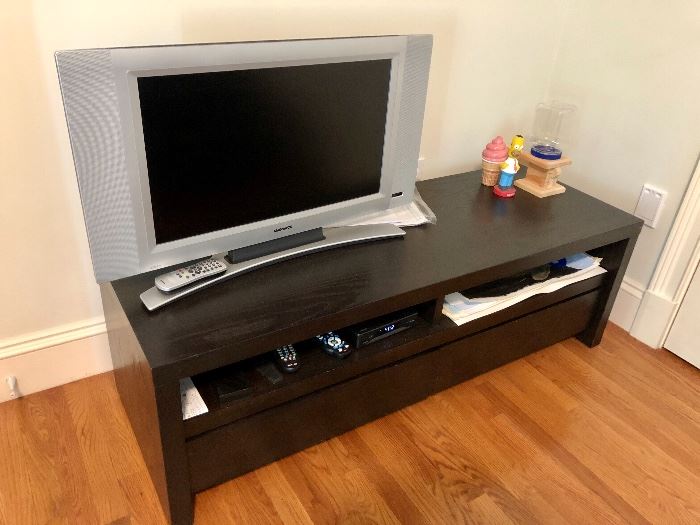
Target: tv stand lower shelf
(235, 325)
(325, 413)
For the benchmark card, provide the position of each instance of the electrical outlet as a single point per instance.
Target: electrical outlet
(649, 205)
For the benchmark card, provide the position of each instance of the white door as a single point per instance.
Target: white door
(684, 337)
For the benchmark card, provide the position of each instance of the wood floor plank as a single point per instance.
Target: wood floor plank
(417, 476)
(464, 471)
(282, 495)
(141, 498)
(312, 493)
(484, 510)
(613, 401)
(626, 357)
(564, 457)
(105, 450)
(566, 435)
(533, 465)
(344, 484)
(242, 500)
(14, 466)
(519, 463)
(623, 460)
(44, 452)
(391, 491)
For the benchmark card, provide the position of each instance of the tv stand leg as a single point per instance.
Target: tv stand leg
(179, 503)
(434, 310)
(615, 261)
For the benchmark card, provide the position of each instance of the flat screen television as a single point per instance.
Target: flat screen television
(186, 151)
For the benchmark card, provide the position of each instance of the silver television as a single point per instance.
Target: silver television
(186, 151)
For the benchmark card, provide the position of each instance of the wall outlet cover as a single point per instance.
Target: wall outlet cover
(649, 205)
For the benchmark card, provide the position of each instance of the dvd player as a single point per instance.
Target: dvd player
(377, 329)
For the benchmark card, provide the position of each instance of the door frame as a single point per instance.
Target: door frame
(674, 271)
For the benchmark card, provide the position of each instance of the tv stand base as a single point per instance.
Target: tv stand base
(153, 298)
(232, 334)
(287, 242)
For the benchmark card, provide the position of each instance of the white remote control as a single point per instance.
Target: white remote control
(171, 281)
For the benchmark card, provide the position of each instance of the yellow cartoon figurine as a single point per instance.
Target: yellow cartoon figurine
(509, 168)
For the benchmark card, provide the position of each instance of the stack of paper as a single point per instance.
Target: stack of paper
(406, 215)
(462, 309)
(415, 213)
(192, 402)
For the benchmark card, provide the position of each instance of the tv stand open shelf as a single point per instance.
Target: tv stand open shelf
(233, 326)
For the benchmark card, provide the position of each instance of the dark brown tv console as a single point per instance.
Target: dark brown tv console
(231, 326)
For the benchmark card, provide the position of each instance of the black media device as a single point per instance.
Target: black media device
(377, 329)
(233, 387)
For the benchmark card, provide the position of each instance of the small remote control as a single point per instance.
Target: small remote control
(171, 281)
(334, 345)
(286, 359)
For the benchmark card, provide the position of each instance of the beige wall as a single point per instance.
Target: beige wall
(479, 86)
(631, 68)
(45, 261)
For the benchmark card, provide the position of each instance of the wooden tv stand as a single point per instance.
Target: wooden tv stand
(229, 328)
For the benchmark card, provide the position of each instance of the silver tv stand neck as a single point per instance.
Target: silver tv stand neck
(153, 298)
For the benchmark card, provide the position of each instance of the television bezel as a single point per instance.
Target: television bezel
(132, 63)
(125, 65)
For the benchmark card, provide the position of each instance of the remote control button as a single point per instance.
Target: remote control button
(186, 275)
(286, 358)
(334, 345)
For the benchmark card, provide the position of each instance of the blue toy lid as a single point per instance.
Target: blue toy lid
(545, 152)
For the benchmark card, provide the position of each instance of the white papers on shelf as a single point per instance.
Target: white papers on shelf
(407, 215)
(192, 402)
(414, 213)
(462, 309)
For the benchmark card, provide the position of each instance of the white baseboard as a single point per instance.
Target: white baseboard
(645, 314)
(627, 303)
(653, 320)
(54, 357)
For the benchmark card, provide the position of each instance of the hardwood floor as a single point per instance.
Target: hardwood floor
(566, 435)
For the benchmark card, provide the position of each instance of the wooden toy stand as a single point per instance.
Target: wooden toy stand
(542, 175)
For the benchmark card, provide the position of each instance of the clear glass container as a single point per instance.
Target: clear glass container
(548, 129)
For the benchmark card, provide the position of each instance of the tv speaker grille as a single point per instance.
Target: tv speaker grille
(414, 91)
(91, 107)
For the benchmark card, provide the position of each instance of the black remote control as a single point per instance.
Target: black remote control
(334, 345)
(286, 359)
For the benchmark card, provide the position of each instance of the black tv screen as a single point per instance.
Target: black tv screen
(230, 148)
